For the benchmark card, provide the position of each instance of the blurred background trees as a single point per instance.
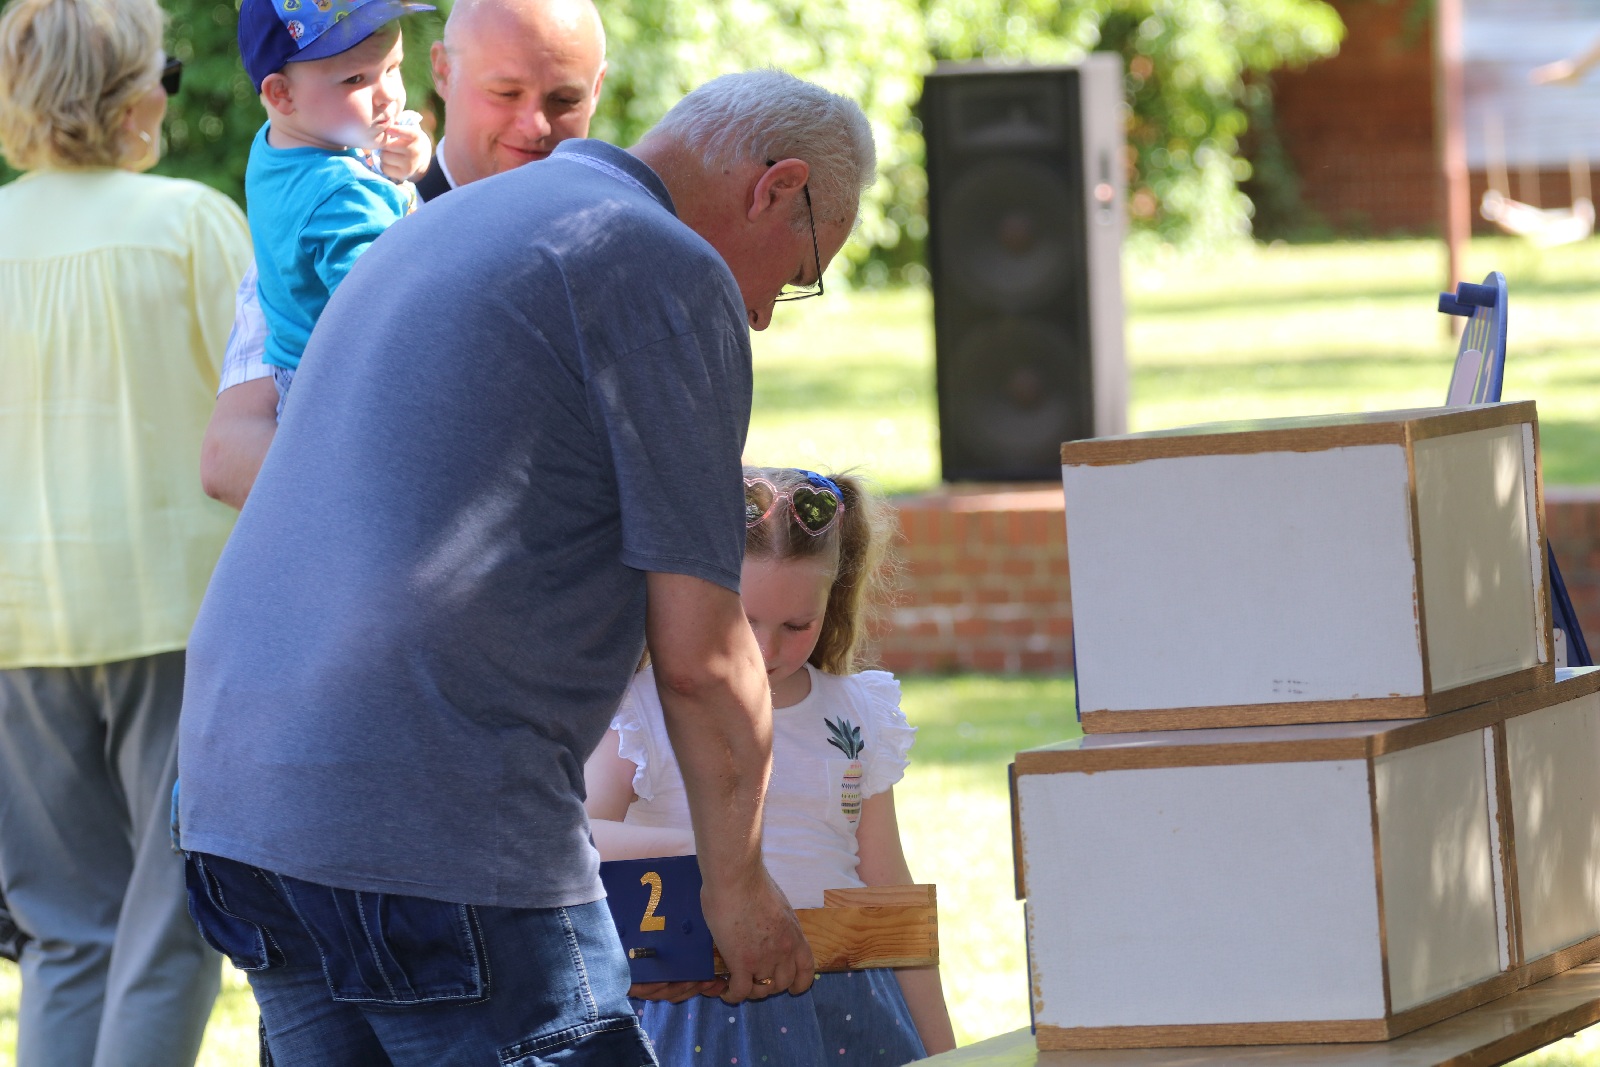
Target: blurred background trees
(1195, 74)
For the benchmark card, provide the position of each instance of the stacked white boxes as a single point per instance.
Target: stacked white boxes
(1331, 788)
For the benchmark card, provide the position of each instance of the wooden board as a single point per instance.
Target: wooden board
(1185, 554)
(1480, 567)
(1554, 770)
(1488, 1035)
(1179, 881)
(1442, 917)
(1296, 743)
(1297, 434)
(876, 926)
(1300, 712)
(1387, 565)
(1150, 894)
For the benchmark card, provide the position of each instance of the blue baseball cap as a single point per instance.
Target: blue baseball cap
(275, 32)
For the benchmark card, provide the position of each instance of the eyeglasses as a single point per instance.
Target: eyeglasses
(171, 75)
(815, 507)
(801, 292)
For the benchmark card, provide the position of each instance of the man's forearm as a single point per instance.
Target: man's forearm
(718, 712)
(721, 733)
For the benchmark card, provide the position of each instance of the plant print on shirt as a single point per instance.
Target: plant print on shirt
(847, 739)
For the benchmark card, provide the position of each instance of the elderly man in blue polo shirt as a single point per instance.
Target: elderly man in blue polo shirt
(470, 523)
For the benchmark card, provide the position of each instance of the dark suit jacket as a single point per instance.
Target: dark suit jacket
(433, 183)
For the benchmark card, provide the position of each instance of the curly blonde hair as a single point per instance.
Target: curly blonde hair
(857, 547)
(70, 71)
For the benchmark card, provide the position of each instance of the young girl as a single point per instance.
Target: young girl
(813, 552)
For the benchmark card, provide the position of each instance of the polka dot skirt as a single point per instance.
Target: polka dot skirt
(845, 1020)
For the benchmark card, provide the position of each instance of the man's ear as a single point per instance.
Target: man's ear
(277, 92)
(599, 80)
(439, 60)
(777, 187)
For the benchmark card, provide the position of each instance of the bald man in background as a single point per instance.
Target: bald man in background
(518, 77)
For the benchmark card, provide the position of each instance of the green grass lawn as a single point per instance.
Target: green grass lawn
(1260, 332)
(848, 381)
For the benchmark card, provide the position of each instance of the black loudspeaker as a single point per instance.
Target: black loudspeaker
(1025, 213)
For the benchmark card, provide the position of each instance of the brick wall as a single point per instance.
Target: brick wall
(985, 583)
(1359, 126)
(1359, 130)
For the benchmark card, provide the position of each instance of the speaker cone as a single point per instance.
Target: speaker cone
(1021, 394)
(1014, 224)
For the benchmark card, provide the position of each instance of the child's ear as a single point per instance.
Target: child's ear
(278, 93)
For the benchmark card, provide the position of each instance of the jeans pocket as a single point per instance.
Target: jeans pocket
(602, 1043)
(220, 893)
(383, 948)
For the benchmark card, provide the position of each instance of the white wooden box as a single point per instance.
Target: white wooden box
(1352, 567)
(1551, 790)
(1328, 882)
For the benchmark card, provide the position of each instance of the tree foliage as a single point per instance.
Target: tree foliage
(1190, 68)
(1189, 63)
(869, 50)
(214, 117)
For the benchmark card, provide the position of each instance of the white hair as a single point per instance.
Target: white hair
(763, 115)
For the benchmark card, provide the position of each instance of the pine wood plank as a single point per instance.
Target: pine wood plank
(1300, 434)
(877, 926)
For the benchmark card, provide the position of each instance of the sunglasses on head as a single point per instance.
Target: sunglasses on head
(171, 75)
(815, 506)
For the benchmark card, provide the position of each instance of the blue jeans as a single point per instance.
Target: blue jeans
(349, 979)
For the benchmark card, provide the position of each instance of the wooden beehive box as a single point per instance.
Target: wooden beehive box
(1328, 882)
(1344, 568)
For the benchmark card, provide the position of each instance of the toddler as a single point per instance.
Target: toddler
(331, 168)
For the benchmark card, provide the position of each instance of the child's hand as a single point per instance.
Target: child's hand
(404, 150)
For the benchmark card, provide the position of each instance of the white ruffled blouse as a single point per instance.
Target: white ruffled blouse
(846, 741)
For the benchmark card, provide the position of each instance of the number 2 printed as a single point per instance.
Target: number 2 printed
(651, 920)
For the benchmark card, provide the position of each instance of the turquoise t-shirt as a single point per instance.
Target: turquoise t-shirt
(312, 213)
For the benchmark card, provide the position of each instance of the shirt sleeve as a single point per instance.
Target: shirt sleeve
(633, 732)
(346, 223)
(892, 735)
(219, 255)
(243, 359)
(674, 415)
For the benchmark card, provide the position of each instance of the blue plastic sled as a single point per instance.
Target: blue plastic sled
(1477, 378)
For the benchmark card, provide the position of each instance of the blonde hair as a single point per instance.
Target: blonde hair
(70, 71)
(857, 547)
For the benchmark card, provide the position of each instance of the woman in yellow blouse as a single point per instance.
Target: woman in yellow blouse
(116, 294)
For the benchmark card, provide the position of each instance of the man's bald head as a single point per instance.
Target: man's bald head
(575, 16)
(518, 77)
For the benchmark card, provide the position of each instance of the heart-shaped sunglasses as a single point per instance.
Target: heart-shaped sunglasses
(815, 506)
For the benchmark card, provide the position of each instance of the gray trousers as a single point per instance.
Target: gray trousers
(116, 974)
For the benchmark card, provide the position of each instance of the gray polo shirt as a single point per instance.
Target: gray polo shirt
(522, 398)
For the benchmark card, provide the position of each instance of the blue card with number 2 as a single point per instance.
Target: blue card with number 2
(655, 904)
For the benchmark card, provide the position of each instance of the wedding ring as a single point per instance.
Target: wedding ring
(763, 981)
